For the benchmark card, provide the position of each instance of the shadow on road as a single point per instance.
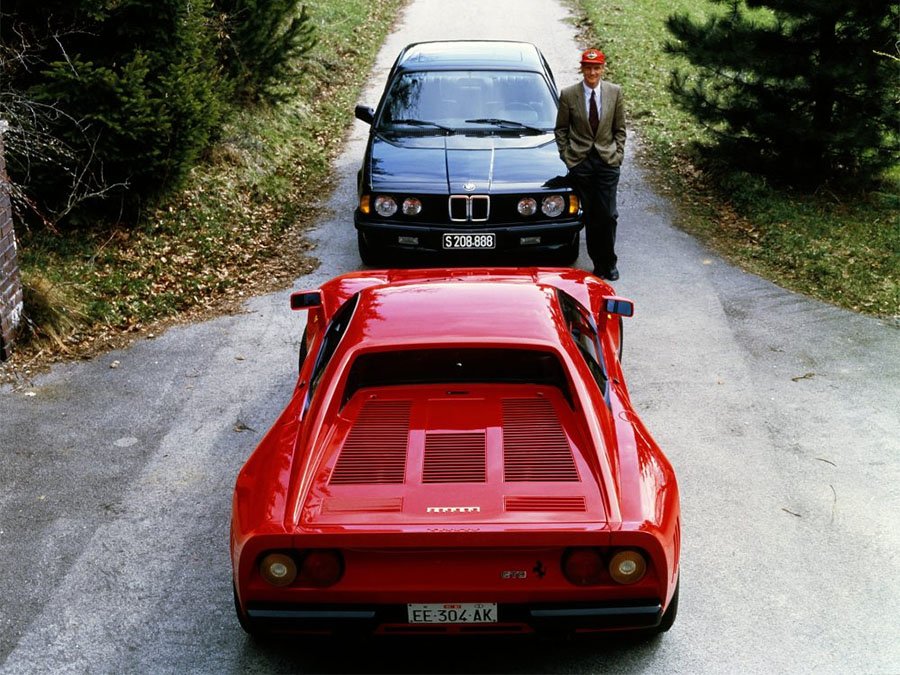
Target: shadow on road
(612, 652)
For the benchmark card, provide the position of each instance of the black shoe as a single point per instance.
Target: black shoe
(613, 274)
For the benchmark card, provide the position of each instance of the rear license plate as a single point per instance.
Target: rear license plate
(469, 241)
(450, 612)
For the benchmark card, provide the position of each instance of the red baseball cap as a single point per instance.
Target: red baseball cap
(593, 56)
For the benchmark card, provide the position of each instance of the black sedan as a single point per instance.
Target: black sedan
(461, 157)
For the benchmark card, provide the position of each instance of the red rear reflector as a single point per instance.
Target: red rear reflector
(321, 568)
(583, 566)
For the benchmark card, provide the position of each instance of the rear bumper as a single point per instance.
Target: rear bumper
(364, 620)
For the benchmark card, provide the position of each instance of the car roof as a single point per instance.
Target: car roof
(455, 312)
(505, 54)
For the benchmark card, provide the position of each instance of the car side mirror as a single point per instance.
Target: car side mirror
(306, 300)
(365, 114)
(616, 305)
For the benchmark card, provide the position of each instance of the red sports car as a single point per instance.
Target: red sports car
(460, 455)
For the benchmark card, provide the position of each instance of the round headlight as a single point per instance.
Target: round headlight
(527, 206)
(583, 566)
(553, 205)
(278, 569)
(412, 206)
(627, 567)
(385, 206)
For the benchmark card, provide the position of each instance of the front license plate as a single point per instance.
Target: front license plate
(469, 241)
(452, 612)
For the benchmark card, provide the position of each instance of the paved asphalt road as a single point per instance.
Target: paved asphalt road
(780, 415)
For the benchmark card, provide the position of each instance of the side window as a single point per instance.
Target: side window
(333, 335)
(584, 334)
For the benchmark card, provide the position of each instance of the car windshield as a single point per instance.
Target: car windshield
(468, 99)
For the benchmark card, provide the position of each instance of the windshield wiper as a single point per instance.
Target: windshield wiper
(424, 123)
(497, 122)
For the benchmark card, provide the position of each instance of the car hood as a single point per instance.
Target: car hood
(461, 163)
(461, 455)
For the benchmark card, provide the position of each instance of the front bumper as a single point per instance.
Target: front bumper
(550, 618)
(541, 237)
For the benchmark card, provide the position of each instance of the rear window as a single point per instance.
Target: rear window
(456, 365)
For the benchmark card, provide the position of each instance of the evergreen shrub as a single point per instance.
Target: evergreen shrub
(802, 91)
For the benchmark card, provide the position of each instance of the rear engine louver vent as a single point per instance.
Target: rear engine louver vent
(375, 450)
(535, 448)
(544, 503)
(454, 458)
(386, 505)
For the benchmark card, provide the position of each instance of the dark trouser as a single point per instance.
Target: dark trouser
(596, 183)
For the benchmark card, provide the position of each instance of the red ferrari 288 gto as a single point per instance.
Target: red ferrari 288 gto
(459, 455)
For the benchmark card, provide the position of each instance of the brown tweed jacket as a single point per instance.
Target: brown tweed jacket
(573, 131)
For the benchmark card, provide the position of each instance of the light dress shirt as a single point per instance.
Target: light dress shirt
(587, 99)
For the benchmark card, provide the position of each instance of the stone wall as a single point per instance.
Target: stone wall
(10, 280)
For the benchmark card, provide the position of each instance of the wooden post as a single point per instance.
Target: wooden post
(10, 279)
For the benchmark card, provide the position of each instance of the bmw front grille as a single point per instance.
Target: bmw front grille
(469, 208)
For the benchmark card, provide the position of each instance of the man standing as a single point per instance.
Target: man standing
(590, 135)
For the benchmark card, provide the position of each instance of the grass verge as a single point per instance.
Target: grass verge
(235, 230)
(837, 248)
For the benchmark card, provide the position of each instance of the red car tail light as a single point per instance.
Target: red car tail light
(583, 566)
(279, 569)
(627, 567)
(321, 568)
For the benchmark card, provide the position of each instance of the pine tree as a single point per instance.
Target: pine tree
(805, 93)
(133, 94)
(262, 43)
